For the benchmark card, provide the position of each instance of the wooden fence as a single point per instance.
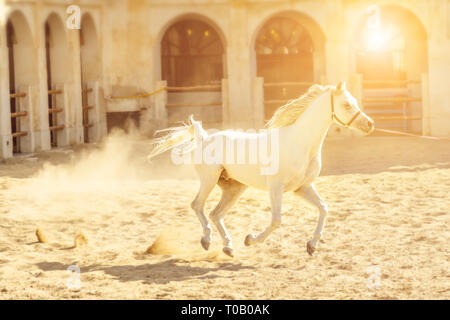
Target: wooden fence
(15, 117)
(389, 109)
(195, 89)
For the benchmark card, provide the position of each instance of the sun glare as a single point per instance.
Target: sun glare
(375, 39)
(4, 12)
(375, 35)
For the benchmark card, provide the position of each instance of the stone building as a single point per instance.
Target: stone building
(70, 70)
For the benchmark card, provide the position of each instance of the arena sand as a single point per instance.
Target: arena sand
(389, 201)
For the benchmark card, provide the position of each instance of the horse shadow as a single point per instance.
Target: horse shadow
(154, 273)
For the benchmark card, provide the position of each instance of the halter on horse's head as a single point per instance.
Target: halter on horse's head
(346, 113)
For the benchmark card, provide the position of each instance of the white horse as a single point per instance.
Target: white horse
(302, 125)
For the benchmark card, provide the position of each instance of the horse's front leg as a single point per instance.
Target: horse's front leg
(276, 195)
(310, 194)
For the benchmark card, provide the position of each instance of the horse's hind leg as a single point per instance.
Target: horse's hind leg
(208, 179)
(231, 191)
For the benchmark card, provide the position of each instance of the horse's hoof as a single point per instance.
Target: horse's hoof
(249, 240)
(206, 241)
(310, 248)
(228, 251)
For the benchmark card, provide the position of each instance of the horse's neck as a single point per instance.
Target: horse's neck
(313, 125)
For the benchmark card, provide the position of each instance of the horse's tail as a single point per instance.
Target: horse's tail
(188, 134)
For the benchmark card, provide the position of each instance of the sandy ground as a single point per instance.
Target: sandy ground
(389, 201)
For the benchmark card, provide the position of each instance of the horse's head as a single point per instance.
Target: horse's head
(346, 112)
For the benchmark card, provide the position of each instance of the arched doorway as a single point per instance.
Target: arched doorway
(22, 73)
(57, 62)
(289, 56)
(192, 55)
(391, 54)
(90, 72)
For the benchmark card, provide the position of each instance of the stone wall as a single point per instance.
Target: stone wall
(122, 54)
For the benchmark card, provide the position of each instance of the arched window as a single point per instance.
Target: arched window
(284, 36)
(391, 55)
(191, 54)
(11, 41)
(384, 62)
(22, 74)
(57, 54)
(285, 53)
(90, 72)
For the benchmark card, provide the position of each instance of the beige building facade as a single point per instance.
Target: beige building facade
(69, 71)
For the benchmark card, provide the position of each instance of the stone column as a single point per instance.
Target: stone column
(6, 143)
(258, 102)
(27, 143)
(160, 102)
(93, 100)
(42, 134)
(438, 71)
(355, 87)
(426, 125)
(225, 102)
(239, 68)
(62, 101)
(337, 53)
(74, 103)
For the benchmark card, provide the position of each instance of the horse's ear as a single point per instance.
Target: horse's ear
(341, 86)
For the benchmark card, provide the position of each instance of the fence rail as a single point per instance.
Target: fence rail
(195, 89)
(54, 92)
(394, 118)
(392, 99)
(15, 120)
(182, 105)
(393, 110)
(19, 134)
(17, 95)
(19, 114)
(382, 107)
(57, 128)
(217, 87)
(390, 82)
(285, 84)
(281, 102)
(54, 110)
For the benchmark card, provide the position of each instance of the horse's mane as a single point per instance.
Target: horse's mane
(291, 111)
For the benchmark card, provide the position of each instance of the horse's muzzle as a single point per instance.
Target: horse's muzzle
(371, 125)
(364, 124)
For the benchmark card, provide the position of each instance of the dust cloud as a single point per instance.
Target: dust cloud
(98, 176)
